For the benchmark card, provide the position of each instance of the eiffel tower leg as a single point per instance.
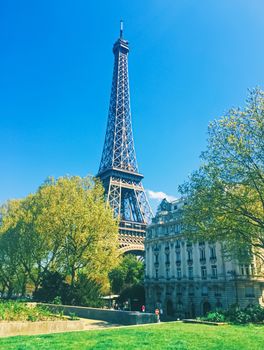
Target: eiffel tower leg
(114, 197)
(144, 205)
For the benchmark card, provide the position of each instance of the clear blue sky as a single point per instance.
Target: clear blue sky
(189, 62)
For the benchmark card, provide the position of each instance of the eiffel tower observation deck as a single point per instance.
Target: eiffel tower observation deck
(118, 168)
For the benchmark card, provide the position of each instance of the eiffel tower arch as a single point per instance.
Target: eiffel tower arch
(118, 169)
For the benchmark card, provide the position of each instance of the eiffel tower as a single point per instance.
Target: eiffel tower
(118, 168)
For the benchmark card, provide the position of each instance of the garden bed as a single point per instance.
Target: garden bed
(20, 318)
(21, 311)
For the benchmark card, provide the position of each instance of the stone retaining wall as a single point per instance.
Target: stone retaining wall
(12, 328)
(112, 316)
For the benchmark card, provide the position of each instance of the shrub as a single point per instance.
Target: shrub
(236, 315)
(53, 288)
(215, 317)
(73, 316)
(252, 313)
(57, 300)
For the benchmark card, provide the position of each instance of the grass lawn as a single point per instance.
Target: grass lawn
(174, 335)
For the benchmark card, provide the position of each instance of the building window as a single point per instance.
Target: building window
(203, 272)
(177, 228)
(204, 290)
(189, 254)
(202, 253)
(179, 273)
(156, 258)
(214, 271)
(157, 273)
(217, 291)
(167, 261)
(250, 293)
(178, 244)
(190, 272)
(167, 274)
(191, 290)
(179, 291)
(178, 255)
(212, 252)
(242, 270)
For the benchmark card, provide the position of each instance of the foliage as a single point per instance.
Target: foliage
(17, 311)
(86, 292)
(250, 314)
(65, 227)
(128, 273)
(215, 316)
(165, 336)
(226, 195)
(53, 289)
(73, 316)
(57, 300)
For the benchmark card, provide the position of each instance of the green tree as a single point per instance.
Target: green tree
(226, 195)
(84, 234)
(87, 292)
(130, 272)
(12, 275)
(66, 227)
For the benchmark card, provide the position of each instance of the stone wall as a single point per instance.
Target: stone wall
(14, 328)
(112, 316)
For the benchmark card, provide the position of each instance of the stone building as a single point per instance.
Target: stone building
(186, 279)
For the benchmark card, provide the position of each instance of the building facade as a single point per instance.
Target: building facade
(185, 279)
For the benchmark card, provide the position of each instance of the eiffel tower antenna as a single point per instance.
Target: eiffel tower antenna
(118, 169)
(121, 28)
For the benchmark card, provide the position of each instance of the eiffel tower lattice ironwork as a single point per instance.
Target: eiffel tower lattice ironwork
(118, 168)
